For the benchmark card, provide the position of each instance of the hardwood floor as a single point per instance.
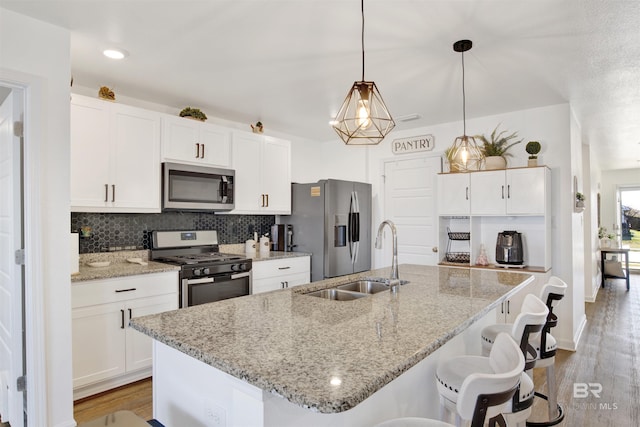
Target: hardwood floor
(135, 397)
(608, 354)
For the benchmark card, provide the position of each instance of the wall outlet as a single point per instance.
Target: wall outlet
(215, 415)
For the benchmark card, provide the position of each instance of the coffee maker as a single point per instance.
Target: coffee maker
(281, 237)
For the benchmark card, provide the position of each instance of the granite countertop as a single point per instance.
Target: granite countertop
(119, 266)
(271, 255)
(293, 345)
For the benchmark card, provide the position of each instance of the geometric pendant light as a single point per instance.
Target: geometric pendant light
(363, 118)
(465, 154)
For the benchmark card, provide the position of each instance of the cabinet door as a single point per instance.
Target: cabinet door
(215, 145)
(180, 137)
(453, 194)
(526, 191)
(265, 285)
(135, 160)
(488, 193)
(98, 344)
(246, 162)
(89, 157)
(138, 345)
(276, 175)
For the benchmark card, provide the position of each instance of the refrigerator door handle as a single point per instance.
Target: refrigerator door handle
(352, 228)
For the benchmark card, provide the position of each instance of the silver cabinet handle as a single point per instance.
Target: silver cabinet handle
(197, 150)
(106, 192)
(467, 193)
(202, 157)
(125, 290)
(113, 193)
(503, 191)
(267, 201)
(284, 268)
(508, 191)
(262, 206)
(130, 314)
(121, 319)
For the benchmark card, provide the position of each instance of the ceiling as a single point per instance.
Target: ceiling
(290, 63)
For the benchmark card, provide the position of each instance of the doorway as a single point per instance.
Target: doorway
(12, 274)
(630, 223)
(410, 202)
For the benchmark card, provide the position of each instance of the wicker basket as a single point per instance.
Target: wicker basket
(458, 257)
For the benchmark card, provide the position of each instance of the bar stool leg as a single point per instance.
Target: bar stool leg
(552, 392)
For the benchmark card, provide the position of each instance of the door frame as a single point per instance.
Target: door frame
(375, 219)
(31, 89)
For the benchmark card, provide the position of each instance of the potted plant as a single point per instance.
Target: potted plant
(605, 238)
(193, 113)
(533, 148)
(579, 201)
(448, 154)
(495, 148)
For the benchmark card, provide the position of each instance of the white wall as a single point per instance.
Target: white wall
(592, 185)
(559, 135)
(36, 54)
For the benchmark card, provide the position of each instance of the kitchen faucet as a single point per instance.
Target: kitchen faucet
(394, 280)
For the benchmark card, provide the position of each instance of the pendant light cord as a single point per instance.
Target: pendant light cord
(362, 35)
(464, 106)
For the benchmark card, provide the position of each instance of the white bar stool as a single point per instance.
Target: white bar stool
(524, 331)
(477, 388)
(413, 422)
(546, 346)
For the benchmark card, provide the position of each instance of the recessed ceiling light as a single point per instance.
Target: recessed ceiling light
(115, 53)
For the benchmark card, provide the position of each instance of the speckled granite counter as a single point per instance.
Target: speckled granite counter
(291, 344)
(119, 266)
(239, 249)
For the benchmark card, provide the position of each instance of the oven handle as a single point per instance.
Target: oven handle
(239, 275)
(198, 281)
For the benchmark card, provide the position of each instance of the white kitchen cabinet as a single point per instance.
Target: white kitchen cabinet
(106, 352)
(280, 273)
(518, 191)
(194, 142)
(263, 174)
(453, 194)
(513, 199)
(115, 157)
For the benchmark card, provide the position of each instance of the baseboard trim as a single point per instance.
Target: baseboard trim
(573, 344)
(91, 389)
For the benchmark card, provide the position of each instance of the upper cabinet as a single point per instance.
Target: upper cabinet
(509, 192)
(263, 174)
(453, 194)
(115, 157)
(194, 142)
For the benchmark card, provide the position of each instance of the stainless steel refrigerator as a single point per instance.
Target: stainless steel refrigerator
(331, 219)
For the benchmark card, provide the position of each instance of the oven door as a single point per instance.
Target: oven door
(215, 288)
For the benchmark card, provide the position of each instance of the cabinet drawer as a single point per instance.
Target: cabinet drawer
(120, 289)
(280, 267)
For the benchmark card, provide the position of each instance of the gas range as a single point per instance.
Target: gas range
(206, 274)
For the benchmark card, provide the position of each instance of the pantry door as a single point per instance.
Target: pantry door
(410, 202)
(11, 267)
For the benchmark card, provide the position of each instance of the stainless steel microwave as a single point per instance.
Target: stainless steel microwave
(197, 188)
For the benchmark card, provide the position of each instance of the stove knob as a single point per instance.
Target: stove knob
(197, 272)
(205, 271)
(242, 267)
(234, 267)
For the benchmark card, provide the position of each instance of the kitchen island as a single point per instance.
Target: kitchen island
(286, 358)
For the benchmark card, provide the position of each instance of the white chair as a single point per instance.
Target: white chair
(546, 346)
(525, 330)
(478, 388)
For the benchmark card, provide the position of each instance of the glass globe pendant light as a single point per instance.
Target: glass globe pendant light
(363, 118)
(465, 153)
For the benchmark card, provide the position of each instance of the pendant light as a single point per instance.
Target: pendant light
(465, 153)
(363, 118)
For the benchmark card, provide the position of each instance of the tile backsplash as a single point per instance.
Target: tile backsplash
(111, 232)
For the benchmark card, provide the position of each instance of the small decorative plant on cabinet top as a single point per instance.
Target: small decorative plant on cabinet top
(579, 202)
(193, 113)
(496, 148)
(533, 148)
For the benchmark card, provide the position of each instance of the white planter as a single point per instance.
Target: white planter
(495, 162)
(605, 242)
(532, 163)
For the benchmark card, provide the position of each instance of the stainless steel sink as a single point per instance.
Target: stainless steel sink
(365, 286)
(336, 294)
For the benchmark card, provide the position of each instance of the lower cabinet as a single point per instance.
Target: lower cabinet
(106, 352)
(510, 308)
(280, 273)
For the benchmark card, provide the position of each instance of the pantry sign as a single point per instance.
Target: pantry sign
(413, 144)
